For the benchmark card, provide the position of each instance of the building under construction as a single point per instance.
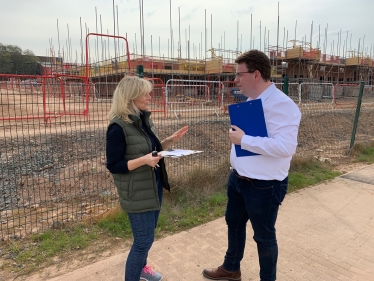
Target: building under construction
(301, 63)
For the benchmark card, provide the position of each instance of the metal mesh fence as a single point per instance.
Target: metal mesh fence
(52, 141)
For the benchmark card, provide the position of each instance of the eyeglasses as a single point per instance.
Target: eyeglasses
(240, 74)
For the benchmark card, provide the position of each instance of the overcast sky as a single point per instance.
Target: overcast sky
(32, 24)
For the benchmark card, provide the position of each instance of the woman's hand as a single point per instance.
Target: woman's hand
(179, 134)
(174, 137)
(151, 160)
(147, 159)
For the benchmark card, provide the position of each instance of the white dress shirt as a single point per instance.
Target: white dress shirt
(282, 118)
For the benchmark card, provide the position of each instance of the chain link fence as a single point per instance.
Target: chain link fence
(52, 141)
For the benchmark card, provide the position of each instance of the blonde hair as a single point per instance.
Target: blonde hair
(128, 89)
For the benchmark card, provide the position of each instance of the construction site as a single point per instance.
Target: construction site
(312, 76)
(52, 146)
(309, 72)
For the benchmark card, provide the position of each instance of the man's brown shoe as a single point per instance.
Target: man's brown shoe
(220, 273)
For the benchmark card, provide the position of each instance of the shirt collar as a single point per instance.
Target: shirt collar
(265, 94)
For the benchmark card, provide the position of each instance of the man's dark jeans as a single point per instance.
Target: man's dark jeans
(258, 201)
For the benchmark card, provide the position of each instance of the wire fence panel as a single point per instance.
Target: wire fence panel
(293, 91)
(13, 91)
(193, 96)
(231, 94)
(316, 92)
(158, 97)
(103, 91)
(345, 95)
(368, 97)
(54, 173)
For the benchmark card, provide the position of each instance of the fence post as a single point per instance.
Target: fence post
(140, 70)
(358, 108)
(285, 85)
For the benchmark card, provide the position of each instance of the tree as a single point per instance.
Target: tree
(15, 61)
(5, 61)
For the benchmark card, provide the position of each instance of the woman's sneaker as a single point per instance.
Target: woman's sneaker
(149, 275)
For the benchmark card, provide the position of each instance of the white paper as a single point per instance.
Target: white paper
(177, 152)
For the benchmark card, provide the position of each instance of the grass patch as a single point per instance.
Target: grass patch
(364, 152)
(27, 254)
(115, 223)
(309, 171)
(190, 211)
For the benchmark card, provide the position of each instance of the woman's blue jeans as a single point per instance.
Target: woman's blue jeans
(257, 201)
(143, 229)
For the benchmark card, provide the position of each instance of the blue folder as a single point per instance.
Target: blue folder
(248, 116)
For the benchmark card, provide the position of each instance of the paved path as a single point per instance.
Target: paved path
(325, 233)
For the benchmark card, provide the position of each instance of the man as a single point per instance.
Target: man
(258, 183)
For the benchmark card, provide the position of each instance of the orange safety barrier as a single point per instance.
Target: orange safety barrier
(47, 97)
(53, 103)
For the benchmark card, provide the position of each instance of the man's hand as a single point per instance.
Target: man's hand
(236, 134)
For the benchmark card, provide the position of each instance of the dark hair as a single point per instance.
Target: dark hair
(256, 60)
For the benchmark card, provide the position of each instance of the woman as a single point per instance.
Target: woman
(139, 176)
